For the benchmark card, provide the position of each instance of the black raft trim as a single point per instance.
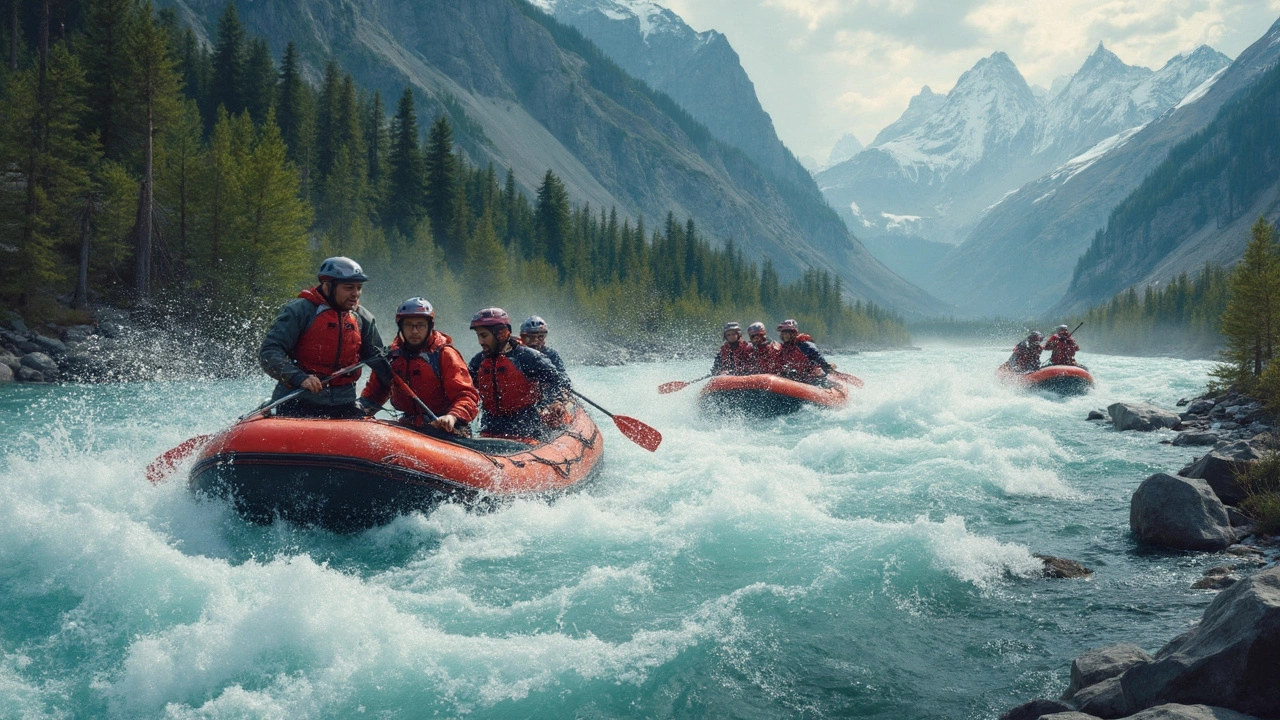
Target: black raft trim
(368, 467)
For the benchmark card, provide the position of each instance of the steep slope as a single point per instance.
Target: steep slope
(846, 147)
(934, 179)
(1019, 258)
(1196, 206)
(924, 104)
(527, 92)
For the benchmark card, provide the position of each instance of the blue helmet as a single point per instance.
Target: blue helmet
(341, 269)
(534, 324)
(415, 307)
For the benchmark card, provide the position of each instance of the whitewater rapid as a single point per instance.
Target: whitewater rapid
(874, 561)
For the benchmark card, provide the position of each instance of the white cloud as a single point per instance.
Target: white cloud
(826, 67)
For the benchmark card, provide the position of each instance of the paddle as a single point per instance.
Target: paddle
(677, 385)
(404, 388)
(634, 430)
(847, 378)
(162, 467)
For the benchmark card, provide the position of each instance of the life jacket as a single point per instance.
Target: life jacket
(793, 361)
(735, 361)
(1063, 350)
(1026, 356)
(330, 343)
(423, 373)
(765, 358)
(503, 388)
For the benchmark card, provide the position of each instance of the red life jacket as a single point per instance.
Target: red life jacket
(766, 358)
(1062, 350)
(504, 390)
(735, 361)
(425, 374)
(330, 343)
(793, 361)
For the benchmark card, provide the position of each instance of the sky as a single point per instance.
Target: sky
(826, 67)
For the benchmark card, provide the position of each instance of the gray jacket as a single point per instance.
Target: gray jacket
(276, 354)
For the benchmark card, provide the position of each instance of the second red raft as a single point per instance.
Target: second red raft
(1060, 379)
(767, 395)
(346, 475)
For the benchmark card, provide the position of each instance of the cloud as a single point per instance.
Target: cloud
(826, 67)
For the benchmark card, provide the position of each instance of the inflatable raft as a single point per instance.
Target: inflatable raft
(1060, 379)
(767, 395)
(347, 475)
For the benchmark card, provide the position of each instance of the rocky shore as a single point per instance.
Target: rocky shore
(1225, 667)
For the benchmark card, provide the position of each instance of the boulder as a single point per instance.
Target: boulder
(1141, 416)
(1095, 415)
(1219, 468)
(50, 345)
(77, 333)
(1062, 568)
(1180, 513)
(1228, 661)
(12, 362)
(1195, 438)
(1258, 415)
(41, 363)
(1105, 699)
(110, 329)
(1214, 582)
(1103, 664)
(26, 374)
(1070, 715)
(6, 374)
(1200, 407)
(1035, 709)
(1174, 711)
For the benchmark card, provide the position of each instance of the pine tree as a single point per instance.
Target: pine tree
(328, 142)
(485, 263)
(290, 102)
(1252, 318)
(179, 155)
(259, 88)
(104, 55)
(406, 191)
(442, 176)
(229, 60)
(553, 221)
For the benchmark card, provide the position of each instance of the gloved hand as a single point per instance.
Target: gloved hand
(381, 368)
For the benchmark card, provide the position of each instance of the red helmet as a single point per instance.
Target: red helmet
(415, 307)
(756, 328)
(789, 324)
(491, 317)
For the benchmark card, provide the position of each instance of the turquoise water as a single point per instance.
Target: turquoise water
(869, 562)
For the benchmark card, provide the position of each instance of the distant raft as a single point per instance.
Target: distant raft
(1060, 379)
(767, 395)
(348, 475)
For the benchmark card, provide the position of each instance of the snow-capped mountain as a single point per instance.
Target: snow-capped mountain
(919, 109)
(846, 147)
(930, 180)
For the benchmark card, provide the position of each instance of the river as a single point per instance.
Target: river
(872, 562)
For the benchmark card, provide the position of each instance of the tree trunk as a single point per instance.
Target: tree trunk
(146, 203)
(81, 299)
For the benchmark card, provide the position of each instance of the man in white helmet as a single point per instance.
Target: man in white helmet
(1062, 347)
(321, 331)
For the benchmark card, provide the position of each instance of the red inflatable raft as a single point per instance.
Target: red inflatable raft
(767, 395)
(347, 475)
(1060, 379)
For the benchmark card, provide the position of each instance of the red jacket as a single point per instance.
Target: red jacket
(801, 359)
(516, 380)
(436, 373)
(330, 343)
(733, 360)
(766, 358)
(1063, 350)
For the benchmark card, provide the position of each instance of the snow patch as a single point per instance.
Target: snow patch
(1003, 197)
(857, 214)
(1203, 88)
(1081, 162)
(899, 222)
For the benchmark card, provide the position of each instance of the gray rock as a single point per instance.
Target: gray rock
(1104, 699)
(10, 360)
(14, 321)
(77, 333)
(1229, 425)
(1244, 551)
(6, 374)
(1103, 664)
(1214, 582)
(1180, 513)
(1174, 711)
(1229, 660)
(1095, 415)
(1035, 709)
(1200, 407)
(1259, 415)
(1062, 568)
(1238, 519)
(1219, 468)
(110, 329)
(1070, 715)
(41, 363)
(50, 345)
(1195, 438)
(26, 374)
(1141, 416)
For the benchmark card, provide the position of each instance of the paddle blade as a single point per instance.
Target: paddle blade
(638, 433)
(673, 386)
(850, 379)
(162, 467)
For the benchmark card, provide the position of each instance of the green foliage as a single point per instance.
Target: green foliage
(1251, 322)
(1261, 483)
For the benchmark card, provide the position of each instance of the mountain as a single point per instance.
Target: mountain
(919, 108)
(1019, 258)
(526, 92)
(1196, 207)
(846, 147)
(935, 178)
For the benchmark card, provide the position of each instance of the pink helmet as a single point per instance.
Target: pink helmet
(415, 307)
(789, 324)
(756, 328)
(491, 317)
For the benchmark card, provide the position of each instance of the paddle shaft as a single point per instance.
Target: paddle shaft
(404, 387)
(591, 402)
(268, 408)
